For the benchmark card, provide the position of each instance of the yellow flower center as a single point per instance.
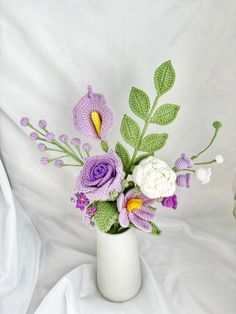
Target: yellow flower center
(97, 122)
(133, 203)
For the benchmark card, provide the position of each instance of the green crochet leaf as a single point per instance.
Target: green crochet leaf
(165, 114)
(105, 146)
(139, 102)
(124, 155)
(141, 157)
(105, 215)
(164, 77)
(130, 131)
(155, 230)
(153, 142)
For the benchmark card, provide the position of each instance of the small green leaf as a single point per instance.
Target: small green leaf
(165, 114)
(164, 77)
(123, 154)
(153, 142)
(155, 230)
(141, 157)
(130, 131)
(105, 215)
(105, 146)
(139, 102)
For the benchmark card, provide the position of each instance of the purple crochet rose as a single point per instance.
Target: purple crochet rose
(100, 175)
(134, 208)
(170, 201)
(92, 116)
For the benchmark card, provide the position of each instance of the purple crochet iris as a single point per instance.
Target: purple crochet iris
(135, 209)
(92, 116)
(100, 176)
(170, 201)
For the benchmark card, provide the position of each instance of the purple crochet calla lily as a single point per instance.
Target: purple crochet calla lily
(92, 116)
(134, 208)
(100, 176)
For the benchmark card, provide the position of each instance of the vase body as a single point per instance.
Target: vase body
(118, 265)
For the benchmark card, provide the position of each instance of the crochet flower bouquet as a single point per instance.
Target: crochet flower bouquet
(122, 187)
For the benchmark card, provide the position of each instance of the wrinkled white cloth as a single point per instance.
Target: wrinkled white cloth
(49, 52)
(19, 252)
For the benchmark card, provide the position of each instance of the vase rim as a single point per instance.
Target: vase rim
(115, 234)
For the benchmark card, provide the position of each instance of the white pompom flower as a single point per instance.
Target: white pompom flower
(203, 175)
(155, 178)
(219, 159)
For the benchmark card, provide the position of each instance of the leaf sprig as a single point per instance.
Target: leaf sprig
(139, 103)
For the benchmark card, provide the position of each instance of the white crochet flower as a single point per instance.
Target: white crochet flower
(203, 175)
(219, 159)
(155, 178)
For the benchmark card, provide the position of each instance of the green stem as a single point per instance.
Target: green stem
(205, 163)
(59, 157)
(142, 134)
(33, 128)
(191, 170)
(211, 142)
(55, 142)
(65, 165)
(79, 151)
(55, 150)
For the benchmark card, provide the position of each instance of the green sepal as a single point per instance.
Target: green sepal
(165, 114)
(153, 142)
(106, 215)
(153, 208)
(164, 77)
(139, 102)
(105, 146)
(130, 131)
(155, 230)
(124, 155)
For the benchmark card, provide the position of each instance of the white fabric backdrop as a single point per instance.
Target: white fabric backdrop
(50, 52)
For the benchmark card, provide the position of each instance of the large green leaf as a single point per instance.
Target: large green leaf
(123, 154)
(164, 77)
(155, 230)
(153, 142)
(105, 215)
(139, 102)
(165, 114)
(130, 131)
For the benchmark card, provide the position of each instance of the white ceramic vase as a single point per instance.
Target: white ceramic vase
(118, 265)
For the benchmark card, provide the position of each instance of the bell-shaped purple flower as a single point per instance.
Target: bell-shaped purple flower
(170, 201)
(183, 180)
(92, 116)
(183, 162)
